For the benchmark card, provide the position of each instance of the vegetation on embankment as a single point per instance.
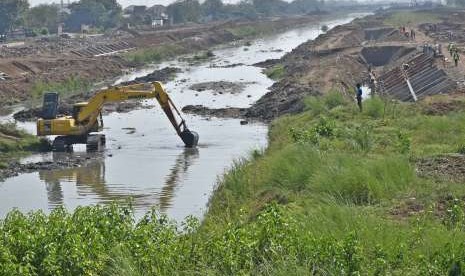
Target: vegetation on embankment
(221, 35)
(70, 86)
(409, 18)
(337, 192)
(15, 143)
(276, 72)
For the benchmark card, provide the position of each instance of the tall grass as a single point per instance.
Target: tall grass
(70, 86)
(276, 72)
(349, 204)
(404, 18)
(14, 142)
(155, 54)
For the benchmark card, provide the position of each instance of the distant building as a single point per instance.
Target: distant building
(157, 11)
(157, 22)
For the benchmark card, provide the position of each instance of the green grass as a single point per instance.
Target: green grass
(406, 18)
(15, 143)
(68, 87)
(335, 193)
(276, 72)
(244, 31)
(155, 54)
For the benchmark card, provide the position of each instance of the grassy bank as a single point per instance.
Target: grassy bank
(336, 193)
(70, 86)
(15, 143)
(408, 18)
(237, 32)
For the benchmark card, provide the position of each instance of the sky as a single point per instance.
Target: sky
(124, 3)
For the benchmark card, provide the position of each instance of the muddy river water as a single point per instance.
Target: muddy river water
(148, 163)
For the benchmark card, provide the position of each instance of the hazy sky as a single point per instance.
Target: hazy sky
(124, 3)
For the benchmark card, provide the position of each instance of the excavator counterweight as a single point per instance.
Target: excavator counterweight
(87, 116)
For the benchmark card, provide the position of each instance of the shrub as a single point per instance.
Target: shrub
(363, 137)
(315, 105)
(325, 127)
(374, 107)
(276, 72)
(404, 142)
(333, 99)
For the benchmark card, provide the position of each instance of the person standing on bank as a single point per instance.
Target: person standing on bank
(359, 93)
(456, 57)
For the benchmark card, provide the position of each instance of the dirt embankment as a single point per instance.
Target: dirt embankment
(332, 61)
(94, 59)
(15, 168)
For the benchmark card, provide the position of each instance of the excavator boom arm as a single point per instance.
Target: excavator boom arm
(88, 112)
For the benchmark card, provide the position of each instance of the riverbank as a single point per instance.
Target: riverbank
(33, 71)
(15, 143)
(337, 192)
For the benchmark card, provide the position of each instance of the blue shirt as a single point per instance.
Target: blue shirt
(359, 92)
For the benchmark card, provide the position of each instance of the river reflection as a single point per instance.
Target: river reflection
(180, 167)
(90, 179)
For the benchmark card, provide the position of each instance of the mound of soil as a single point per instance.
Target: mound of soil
(450, 167)
(163, 75)
(443, 108)
(15, 168)
(232, 112)
(220, 87)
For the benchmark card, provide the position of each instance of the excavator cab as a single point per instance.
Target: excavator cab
(50, 106)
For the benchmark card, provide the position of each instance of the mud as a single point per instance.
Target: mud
(220, 87)
(449, 167)
(201, 110)
(443, 108)
(163, 75)
(15, 168)
(407, 208)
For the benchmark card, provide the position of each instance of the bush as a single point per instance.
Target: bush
(374, 107)
(276, 72)
(315, 105)
(363, 137)
(334, 99)
(325, 127)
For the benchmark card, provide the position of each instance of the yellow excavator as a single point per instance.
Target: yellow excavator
(87, 116)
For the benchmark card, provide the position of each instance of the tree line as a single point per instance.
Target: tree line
(106, 14)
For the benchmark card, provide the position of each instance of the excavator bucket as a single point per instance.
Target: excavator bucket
(190, 138)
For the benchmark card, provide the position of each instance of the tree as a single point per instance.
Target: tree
(212, 8)
(12, 14)
(97, 13)
(270, 7)
(243, 9)
(183, 11)
(304, 6)
(43, 16)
